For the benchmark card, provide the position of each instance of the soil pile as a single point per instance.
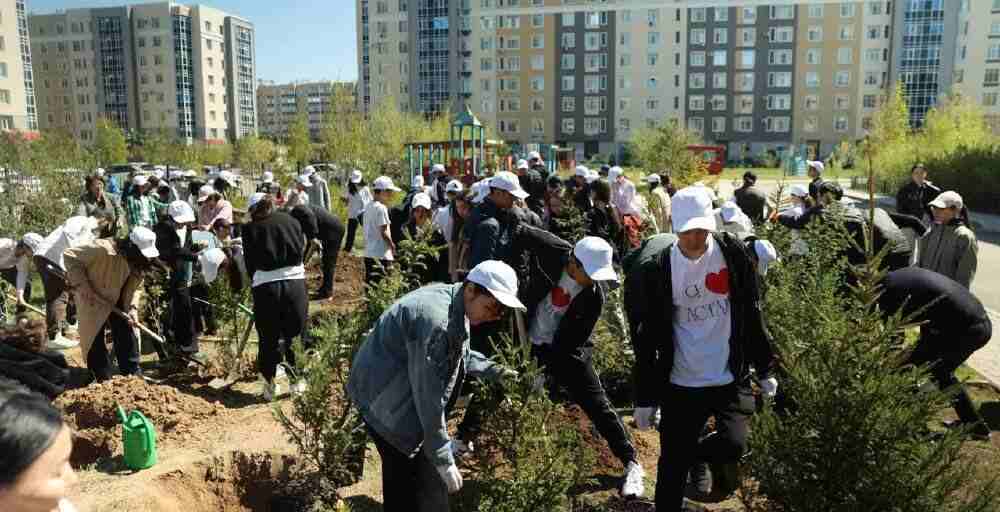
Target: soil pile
(91, 411)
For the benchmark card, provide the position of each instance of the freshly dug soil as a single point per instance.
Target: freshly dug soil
(91, 412)
(348, 283)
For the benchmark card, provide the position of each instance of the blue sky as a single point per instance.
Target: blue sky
(296, 39)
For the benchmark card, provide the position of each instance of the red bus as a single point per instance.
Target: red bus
(713, 156)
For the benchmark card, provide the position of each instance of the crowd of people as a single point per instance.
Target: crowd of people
(547, 250)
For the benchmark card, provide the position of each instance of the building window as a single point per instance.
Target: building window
(847, 10)
(749, 15)
(846, 32)
(991, 78)
(719, 58)
(840, 124)
(841, 102)
(5, 96)
(568, 41)
(781, 34)
(698, 36)
(812, 102)
(746, 36)
(812, 79)
(721, 14)
(811, 124)
(777, 124)
(569, 125)
(568, 83)
(842, 79)
(779, 101)
(696, 124)
(814, 56)
(782, 12)
(720, 80)
(745, 59)
(538, 20)
(698, 58)
(698, 15)
(779, 79)
(814, 34)
(652, 104)
(718, 102)
(568, 104)
(845, 56)
(720, 36)
(696, 102)
(869, 101)
(816, 11)
(696, 80)
(744, 82)
(744, 124)
(780, 57)
(718, 124)
(989, 99)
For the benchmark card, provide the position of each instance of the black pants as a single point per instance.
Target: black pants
(352, 231)
(331, 250)
(408, 483)
(59, 310)
(126, 347)
(945, 352)
(375, 270)
(684, 414)
(280, 309)
(185, 340)
(10, 275)
(575, 372)
(204, 315)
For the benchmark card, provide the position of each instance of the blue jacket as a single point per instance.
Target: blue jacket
(410, 365)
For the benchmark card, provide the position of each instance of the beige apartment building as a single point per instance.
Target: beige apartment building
(189, 71)
(977, 65)
(17, 96)
(280, 104)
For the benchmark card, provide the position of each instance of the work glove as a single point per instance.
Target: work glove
(769, 387)
(452, 478)
(646, 417)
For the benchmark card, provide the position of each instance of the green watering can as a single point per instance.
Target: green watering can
(139, 440)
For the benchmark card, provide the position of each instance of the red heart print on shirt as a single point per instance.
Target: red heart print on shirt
(560, 298)
(718, 283)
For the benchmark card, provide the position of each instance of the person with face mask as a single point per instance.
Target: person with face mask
(36, 444)
(418, 354)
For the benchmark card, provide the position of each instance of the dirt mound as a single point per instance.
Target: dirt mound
(605, 458)
(348, 283)
(91, 411)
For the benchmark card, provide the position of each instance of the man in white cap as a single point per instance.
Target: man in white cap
(439, 183)
(538, 165)
(107, 274)
(424, 337)
(51, 265)
(697, 325)
(799, 196)
(299, 194)
(950, 248)
(489, 235)
(564, 298)
(816, 175)
(15, 267)
(140, 209)
(177, 249)
(319, 192)
(380, 249)
(659, 203)
(532, 183)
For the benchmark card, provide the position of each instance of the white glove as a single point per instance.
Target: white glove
(452, 478)
(769, 387)
(646, 417)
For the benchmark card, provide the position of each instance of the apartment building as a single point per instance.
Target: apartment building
(188, 70)
(756, 77)
(17, 89)
(280, 104)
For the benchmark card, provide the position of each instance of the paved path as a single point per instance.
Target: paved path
(986, 286)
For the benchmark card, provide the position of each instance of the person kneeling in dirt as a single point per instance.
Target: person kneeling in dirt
(565, 296)
(410, 369)
(274, 248)
(695, 317)
(319, 225)
(955, 326)
(105, 275)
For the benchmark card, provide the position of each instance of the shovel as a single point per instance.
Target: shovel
(31, 308)
(219, 382)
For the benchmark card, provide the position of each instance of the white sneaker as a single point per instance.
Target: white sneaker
(461, 448)
(634, 485)
(299, 388)
(61, 343)
(271, 390)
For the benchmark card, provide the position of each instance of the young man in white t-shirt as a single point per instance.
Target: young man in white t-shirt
(696, 321)
(379, 247)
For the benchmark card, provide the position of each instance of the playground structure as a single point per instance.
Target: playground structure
(466, 155)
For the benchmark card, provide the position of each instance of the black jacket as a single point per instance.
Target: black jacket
(603, 223)
(955, 311)
(319, 224)
(547, 258)
(273, 243)
(173, 251)
(534, 185)
(915, 200)
(489, 230)
(752, 201)
(814, 188)
(649, 307)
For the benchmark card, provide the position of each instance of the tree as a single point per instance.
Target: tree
(253, 152)
(663, 149)
(110, 147)
(889, 144)
(956, 122)
(158, 147)
(299, 143)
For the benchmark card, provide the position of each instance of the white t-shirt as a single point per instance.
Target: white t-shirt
(376, 217)
(702, 318)
(551, 310)
(356, 203)
(442, 222)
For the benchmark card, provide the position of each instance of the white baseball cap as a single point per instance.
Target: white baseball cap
(421, 200)
(356, 176)
(145, 240)
(766, 253)
(948, 199)
(729, 211)
(99, 172)
(32, 241)
(303, 180)
(691, 208)
(615, 172)
(592, 175)
(799, 191)
(500, 280)
(437, 168)
(210, 261)
(158, 173)
(254, 199)
(181, 212)
(506, 180)
(454, 186)
(482, 189)
(534, 155)
(652, 178)
(817, 164)
(204, 192)
(268, 177)
(384, 183)
(523, 164)
(596, 254)
(140, 180)
(581, 171)
(308, 171)
(417, 181)
(228, 177)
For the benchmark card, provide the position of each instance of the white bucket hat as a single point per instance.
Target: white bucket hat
(523, 164)
(32, 241)
(308, 171)
(596, 255)
(500, 280)
(581, 171)
(615, 172)
(652, 178)
(799, 191)
(145, 240)
(210, 261)
(691, 208)
(140, 180)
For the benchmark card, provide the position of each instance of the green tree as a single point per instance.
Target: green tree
(956, 122)
(158, 147)
(664, 149)
(110, 147)
(299, 143)
(253, 152)
(889, 143)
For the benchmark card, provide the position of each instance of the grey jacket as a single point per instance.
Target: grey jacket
(319, 192)
(409, 367)
(951, 250)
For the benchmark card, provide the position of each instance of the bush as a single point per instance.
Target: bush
(972, 172)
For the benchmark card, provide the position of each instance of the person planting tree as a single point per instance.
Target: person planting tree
(322, 227)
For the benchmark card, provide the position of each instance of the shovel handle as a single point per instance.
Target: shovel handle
(29, 307)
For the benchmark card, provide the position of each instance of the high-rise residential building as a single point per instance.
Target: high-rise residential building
(188, 70)
(278, 105)
(756, 77)
(17, 89)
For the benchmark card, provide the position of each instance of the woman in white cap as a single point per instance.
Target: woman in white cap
(178, 250)
(299, 195)
(950, 248)
(418, 354)
(420, 216)
(379, 247)
(15, 266)
(212, 207)
(799, 198)
(358, 197)
(104, 275)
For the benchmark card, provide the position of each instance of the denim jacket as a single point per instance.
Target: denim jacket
(411, 364)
